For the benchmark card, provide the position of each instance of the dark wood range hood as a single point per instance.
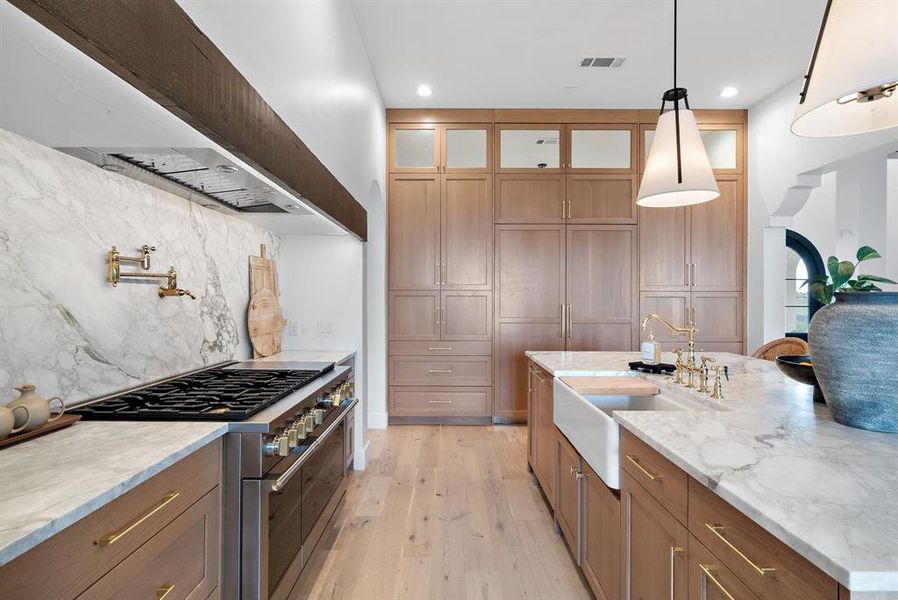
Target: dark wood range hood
(157, 48)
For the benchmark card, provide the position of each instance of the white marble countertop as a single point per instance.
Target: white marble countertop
(334, 356)
(50, 482)
(828, 491)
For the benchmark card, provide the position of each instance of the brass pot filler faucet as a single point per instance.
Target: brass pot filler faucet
(690, 368)
(115, 260)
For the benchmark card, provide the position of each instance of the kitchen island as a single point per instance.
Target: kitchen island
(826, 491)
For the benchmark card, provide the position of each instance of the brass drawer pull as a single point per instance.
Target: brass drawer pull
(433, 348)
(719, 531)
(163, 591)
(111, 538)
(674, 550)
(710, 571)
(439, 401)
(635, 461)
(439, 370)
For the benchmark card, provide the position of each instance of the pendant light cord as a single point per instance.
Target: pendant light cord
(675, 44)
(677, 101)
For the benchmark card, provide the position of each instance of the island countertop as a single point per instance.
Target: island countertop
(828, 491)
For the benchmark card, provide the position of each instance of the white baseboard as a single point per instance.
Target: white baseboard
(360, 458)
(377, 420)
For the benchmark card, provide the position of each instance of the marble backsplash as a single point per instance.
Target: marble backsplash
(68, 331)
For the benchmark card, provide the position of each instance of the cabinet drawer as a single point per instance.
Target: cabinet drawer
(710, 580)
(71, 561)
(663, 479)
(442, 402)
(441, 348)
(766, 565)
(456, 371)
(179, 562)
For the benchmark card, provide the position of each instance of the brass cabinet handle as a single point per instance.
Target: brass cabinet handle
(437, 273)
(163, 591)
(563, 321)
(709, 572)
(432, 348)
(635, 461)
(439, 401)
(570, 320)
(692, 274)
(439, 370)
(674, 550)
(719, 531)
(688, 281)
(111, 538)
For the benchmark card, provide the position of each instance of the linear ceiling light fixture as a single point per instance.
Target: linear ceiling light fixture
(852, 82)
(677, 170)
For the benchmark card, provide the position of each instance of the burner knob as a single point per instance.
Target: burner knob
(277, 446)
(292, 436)
(319, 415)
(283, 445)
(309, 421)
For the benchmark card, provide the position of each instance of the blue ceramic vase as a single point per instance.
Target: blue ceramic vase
(854, 346)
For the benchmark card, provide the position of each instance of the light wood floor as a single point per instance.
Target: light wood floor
(444, 512)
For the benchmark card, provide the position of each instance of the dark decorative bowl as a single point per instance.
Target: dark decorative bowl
(801, 369)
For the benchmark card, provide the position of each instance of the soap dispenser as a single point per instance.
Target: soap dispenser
(651, 350)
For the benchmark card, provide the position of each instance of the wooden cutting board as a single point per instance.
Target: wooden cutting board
(266, 323)
(611, 386)
(263, 274)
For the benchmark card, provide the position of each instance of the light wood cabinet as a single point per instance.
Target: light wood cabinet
(600, 536)
(415, 316)
(542, 430)
(717, 239)
(466, 316)
(654, 546)
(529, 148)
(718, 316)
(530, 198)
(466, 232)
(437, 148)
(601, 148)
(601, 198)
(530, 273)
(414, 232)
(510, 363)
(436, 402)
(569, 475)
(664, 255)
(413, 148)
(709, 579)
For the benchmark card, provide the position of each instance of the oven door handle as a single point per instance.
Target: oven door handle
(276, 485)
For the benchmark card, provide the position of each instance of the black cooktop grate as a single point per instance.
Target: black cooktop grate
(217, 394)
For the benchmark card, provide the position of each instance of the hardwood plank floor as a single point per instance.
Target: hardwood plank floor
(443, 512)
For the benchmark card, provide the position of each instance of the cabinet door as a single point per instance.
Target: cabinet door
(673, 306)
(717, 229)
(414, 316)
(467, 316)
(600, 536)
(606, 337)
(523, 198)
(610, 148)
(532, 413)
(466, 148)
(414, 148)
(601, 268)
(601, 198)
(724, 143)
(718, 315)
(567, 496)
(545, 437)
(467, 232)
(709, 579)
(663, 248)
(654, 547)
(529, 148)
(414, 232)
(530, 273)
(511, 341)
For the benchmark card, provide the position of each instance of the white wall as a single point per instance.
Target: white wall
(308, 61)
(784, 174)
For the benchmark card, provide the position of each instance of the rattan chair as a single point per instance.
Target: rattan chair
(782, 347)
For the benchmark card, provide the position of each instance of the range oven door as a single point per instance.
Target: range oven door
(280, 515)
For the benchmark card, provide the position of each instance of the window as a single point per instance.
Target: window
(803, 262)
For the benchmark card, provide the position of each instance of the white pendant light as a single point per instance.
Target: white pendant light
(677, 169)
(852, 82)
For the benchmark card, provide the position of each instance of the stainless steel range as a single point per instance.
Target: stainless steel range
(285, 459)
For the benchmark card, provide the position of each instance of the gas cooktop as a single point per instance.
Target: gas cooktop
(225, 393)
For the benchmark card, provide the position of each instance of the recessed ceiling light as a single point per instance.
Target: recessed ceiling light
(226, 169)
(424, 90)
(728, 92)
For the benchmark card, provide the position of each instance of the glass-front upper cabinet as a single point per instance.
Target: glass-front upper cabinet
(414, 148)
(602, 148)
(723, 143)
(434, 148)
(466, 148)
(529, 148)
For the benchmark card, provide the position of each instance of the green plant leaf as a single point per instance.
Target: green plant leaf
(874, 278)
(821, 292)
(866, 253)
(843, 272)
(832, 265)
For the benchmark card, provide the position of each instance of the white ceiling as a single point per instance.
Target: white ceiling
(505, 53)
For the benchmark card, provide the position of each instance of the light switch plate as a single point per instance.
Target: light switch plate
(294, 327)
(325, 328)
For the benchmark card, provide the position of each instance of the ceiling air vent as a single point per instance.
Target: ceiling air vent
(602, 61)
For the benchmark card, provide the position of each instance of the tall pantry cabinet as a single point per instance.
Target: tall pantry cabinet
(515, 230)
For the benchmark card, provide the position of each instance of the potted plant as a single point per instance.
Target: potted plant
(854, 344)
